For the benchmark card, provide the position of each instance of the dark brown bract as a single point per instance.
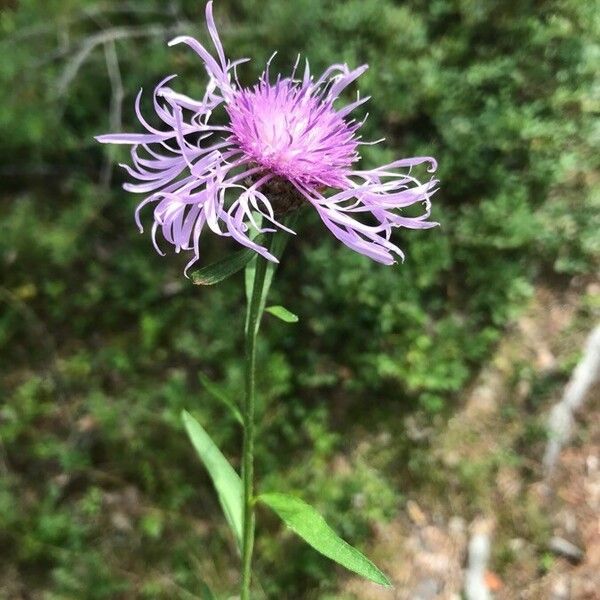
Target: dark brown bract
(284, 197)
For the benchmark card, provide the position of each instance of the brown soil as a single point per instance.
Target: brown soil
(489, 478)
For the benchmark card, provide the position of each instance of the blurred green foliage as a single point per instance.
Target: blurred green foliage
(101, 340)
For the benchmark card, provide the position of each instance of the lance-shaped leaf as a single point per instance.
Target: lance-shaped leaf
(305, 521)
(206, 592)
(203, 588)
(227, 482)
(224, 268)
(281, 312)
(215, 391)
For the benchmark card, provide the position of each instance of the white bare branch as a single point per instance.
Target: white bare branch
(113, 34)
(116, 102)
(560, 421)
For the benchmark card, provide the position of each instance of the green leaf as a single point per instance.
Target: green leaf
(251, 266)
(204, 589)
(276, 249)
(227, 482)
(282, 313)
(206, 593)
(215, 391)
(249, 274)
(279, 241)
(305, 521)
(223, 269)
(249, 279)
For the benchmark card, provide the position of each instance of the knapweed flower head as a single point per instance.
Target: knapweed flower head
(285, 142)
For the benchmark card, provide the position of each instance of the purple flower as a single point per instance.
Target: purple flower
(284, 143)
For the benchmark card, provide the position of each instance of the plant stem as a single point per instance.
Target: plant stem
(263, 272)
(253, 320)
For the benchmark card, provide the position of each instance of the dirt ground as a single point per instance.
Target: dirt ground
(543, 529)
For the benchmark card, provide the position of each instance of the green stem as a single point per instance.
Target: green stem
(253, 320)
(263, 273)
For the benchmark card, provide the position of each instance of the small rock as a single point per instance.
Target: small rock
(592, 464)
(560, 589)
(545, 360)
(568, 521)
(516, 545)
(564, 548)
(428, 589)
(457, 526)
(121, 521)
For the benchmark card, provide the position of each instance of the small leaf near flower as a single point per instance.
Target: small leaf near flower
(282, 313)
(223, 269)
(226, 481)
(306, 522)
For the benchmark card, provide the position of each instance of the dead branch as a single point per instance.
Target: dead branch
(561, 420)
(105, 37)
(116, 103)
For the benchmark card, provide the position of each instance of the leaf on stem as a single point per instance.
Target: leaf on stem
(206, 592)
(282, 313)
(215, 391)
(306, 522)
(224, 268)
(279, 241)
(226, 481)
